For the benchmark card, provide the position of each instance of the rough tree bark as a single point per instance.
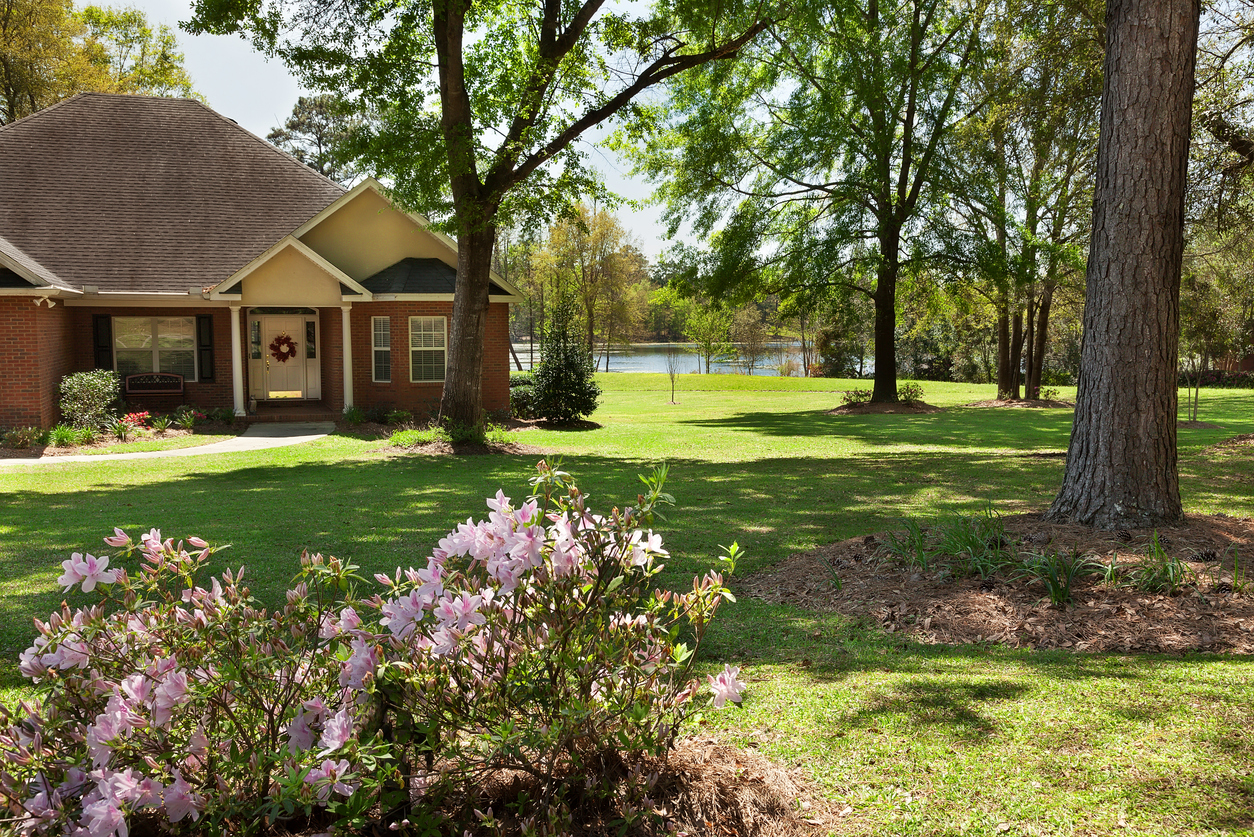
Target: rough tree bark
(1121, 465)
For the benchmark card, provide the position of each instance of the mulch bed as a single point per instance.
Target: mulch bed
(1022, 403)
(110, 441)
(1207, 616)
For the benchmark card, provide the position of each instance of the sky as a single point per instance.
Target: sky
(241, 84)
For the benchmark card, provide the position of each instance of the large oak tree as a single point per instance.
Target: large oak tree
(476, 106)
(1121, 465)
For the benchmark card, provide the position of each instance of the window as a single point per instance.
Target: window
(381, 328)
(426, 349)
(155, 344)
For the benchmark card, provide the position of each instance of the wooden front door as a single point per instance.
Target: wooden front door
(284, 378)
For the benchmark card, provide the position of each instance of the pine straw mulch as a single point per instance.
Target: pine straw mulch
(884, 408)
(1208, 616)
(1022, 403)
(703, 787)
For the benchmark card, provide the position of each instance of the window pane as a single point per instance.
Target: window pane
(383, 365)
(131, 362)
(176, 332)
(428, 364)
(426, 333)
(179, 363)
(382, 332)
(311, 340)
(132, 333)
(254, 339)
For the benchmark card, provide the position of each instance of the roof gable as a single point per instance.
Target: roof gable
(146, 195)
(420, 276)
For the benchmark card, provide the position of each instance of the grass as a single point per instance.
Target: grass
(914, 740)
(152, 443)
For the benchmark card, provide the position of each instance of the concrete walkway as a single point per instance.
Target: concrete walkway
(261, 436)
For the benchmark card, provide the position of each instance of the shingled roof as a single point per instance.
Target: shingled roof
(143, 195)
(419, 276)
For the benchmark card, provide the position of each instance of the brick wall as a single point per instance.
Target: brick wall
(422, 399)
(34, 356)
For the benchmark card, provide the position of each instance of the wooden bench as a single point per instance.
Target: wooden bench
(154, 383)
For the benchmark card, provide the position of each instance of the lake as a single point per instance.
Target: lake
(651, 357)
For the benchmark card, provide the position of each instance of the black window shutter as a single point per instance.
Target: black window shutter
(204, 345)
(102, 340)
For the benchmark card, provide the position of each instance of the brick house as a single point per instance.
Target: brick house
(159, 239)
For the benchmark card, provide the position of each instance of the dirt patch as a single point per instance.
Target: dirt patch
(884, 409)
(1023, 403)
(472, 449)
(1243, 441)
(929, 607)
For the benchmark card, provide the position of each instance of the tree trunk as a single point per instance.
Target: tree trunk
(1037, 369)
(1121, 465)
(885, 387)
(462, 402)
(1003, 351)
(1016, 355)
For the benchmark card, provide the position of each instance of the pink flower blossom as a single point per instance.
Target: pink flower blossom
(460, 612)
(725, 686)
(180, 801)
(337, 731)
(105, 818)
(331, 776)
(197, 542)
(169, 694)
(361, 663)
(88, 569)
(119, 538)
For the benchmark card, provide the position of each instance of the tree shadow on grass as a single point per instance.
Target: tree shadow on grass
(388, 511)
(956, 427)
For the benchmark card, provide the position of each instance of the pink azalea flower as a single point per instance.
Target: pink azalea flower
(119, 538)
(180, 801)
(197, 542)
(361, 663)
(168, 695)
(88, 569)
(337, 731)
(500, 504)
(331, 776)
(726, 687)
(105, 818)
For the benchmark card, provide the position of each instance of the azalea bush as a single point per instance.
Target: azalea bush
(528, 648)
(174, 701)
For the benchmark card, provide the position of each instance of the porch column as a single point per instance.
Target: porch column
(237, 363)
(346, 331)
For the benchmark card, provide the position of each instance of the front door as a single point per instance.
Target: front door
(284, 353)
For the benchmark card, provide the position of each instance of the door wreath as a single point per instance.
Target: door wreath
(283, 348)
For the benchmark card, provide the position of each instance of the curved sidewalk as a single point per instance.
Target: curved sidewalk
(256, 437)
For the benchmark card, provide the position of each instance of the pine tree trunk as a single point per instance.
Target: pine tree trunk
(1037, 369)
(1016, 355)
(1121, 465)
(462, 402)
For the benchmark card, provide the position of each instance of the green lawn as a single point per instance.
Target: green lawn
(912, 739)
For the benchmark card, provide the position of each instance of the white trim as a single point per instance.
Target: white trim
(375, 349)
(119, 300)
(237, 363)
(300, 247)
(346, 333)
(444, 349)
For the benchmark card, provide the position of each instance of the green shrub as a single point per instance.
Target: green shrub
(910, 393)
(25, 437)
(354, 415)
(376, 415)
(87, 398)
(565, 384)
(521, 379)
(1160, 572)
(522, 402)
(122, 429)
(854, 397)
(161, 423)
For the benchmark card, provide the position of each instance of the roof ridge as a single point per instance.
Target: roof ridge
(273, 148)
(43, 111)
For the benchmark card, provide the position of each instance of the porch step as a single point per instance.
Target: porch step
(290, 415)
